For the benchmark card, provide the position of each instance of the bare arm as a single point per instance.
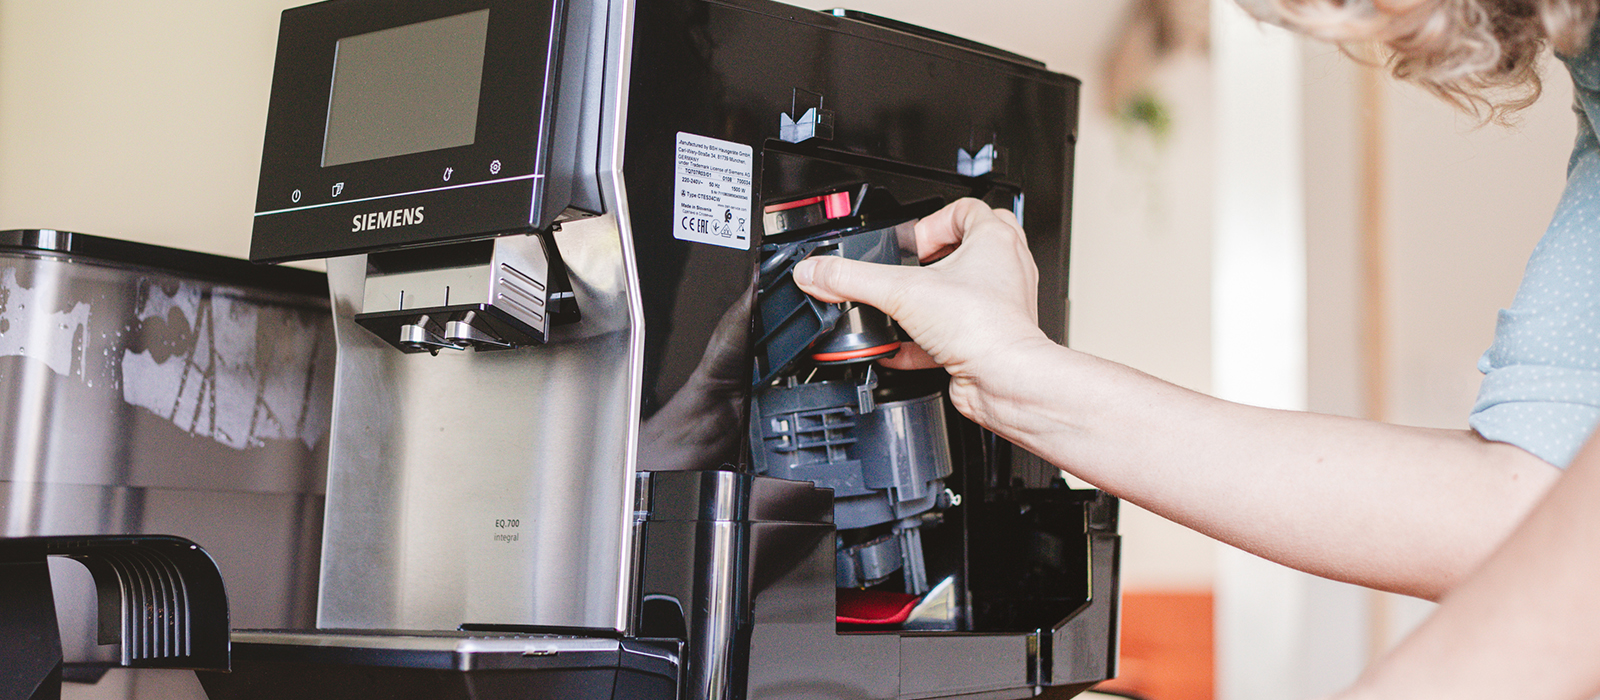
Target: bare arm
(1522, 626)
(1402, 509)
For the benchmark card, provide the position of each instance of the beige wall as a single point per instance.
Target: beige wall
(1462, 208)
(137, 120)
(1466, 208)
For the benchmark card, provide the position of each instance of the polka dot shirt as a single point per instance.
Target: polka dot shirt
(1541, 384)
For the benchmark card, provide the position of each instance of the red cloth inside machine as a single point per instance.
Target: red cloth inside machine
(858, 607)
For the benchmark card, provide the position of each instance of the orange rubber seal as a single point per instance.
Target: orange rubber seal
(855, 354)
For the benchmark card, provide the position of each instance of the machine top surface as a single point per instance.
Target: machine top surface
(190, 264)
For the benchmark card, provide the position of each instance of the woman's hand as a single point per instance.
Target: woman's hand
(1297, 488)
(967, 312)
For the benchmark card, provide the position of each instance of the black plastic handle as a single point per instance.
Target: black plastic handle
(161, 597)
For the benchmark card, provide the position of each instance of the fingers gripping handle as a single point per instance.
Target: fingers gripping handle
(794, 324)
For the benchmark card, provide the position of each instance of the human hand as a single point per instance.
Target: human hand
(966, 312)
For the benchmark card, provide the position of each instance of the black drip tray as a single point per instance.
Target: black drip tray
(368, 665)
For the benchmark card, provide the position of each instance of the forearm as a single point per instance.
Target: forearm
(1522, 626)
(1402, 509)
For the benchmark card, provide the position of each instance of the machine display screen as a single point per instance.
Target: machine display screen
(406, 90)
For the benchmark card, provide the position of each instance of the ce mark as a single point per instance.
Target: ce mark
(694, 224)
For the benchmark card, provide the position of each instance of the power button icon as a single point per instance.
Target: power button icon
(295, 197)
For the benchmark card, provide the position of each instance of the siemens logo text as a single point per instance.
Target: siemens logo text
(386, 219)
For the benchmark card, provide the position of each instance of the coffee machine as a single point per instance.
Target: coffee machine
(589, 439)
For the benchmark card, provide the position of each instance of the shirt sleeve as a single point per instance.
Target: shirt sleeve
(1541, 385)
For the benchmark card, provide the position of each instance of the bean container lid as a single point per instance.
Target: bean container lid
(184, 263)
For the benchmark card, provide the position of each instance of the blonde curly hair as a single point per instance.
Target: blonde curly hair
(1480, 55)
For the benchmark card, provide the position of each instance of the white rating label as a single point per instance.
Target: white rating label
(712, 203)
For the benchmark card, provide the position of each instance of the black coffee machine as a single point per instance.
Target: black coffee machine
(589, 440)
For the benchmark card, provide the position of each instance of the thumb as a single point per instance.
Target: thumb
(834, 279)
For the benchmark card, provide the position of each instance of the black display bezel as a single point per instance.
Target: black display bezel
(493, 183)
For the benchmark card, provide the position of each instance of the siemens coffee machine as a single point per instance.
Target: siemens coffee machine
(589, 439)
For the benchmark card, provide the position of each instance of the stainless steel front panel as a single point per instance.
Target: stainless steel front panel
(484, 487)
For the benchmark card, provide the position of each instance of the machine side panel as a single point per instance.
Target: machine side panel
(794, 650)
(1080, 652)
(733, 72)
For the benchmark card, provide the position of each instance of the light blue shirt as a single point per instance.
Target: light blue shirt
(1541, 383)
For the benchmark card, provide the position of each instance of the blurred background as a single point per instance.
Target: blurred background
(1256, 216)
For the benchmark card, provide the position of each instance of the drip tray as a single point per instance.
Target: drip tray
(365, 664)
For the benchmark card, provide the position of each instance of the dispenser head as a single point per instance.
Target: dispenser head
(487, 295)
